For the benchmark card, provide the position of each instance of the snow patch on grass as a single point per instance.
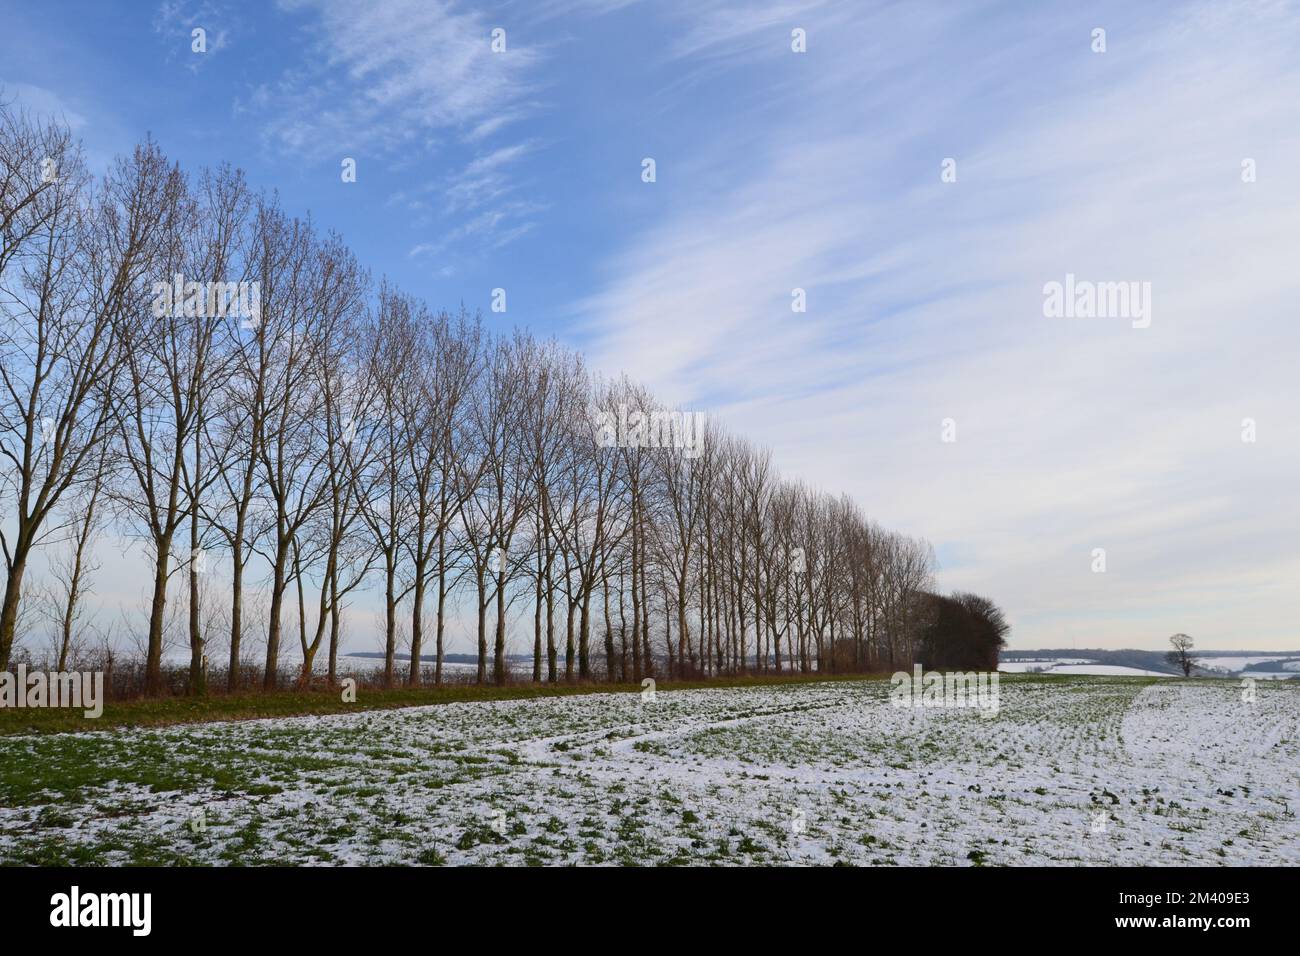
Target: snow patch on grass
(1093, 770)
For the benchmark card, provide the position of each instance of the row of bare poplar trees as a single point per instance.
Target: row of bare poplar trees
(346, 438)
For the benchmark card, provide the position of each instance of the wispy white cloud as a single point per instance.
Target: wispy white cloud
(925, 299)
(395, 75)
(485, 179)
(175, 22)
(478, 206)
(408, 82)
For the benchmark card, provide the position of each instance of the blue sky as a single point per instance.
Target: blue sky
(821, 170)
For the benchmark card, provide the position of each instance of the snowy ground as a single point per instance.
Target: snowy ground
(1232, 665)
(1062, 666)
(1089, 770)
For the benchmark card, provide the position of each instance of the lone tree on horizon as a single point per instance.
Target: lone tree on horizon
(1181, 655)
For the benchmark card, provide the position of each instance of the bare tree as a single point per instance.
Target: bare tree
(433, 403)
(598, 523)
(171, 367)
(557, 395)
(70, 267)
(305, 280)
(387, 504)
(1181, 655)
(224, 205)
(346, 403)
(499, 502)
(344, 429)
(235, 427)
(72, 570)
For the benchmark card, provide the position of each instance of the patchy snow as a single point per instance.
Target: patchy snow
(1231, 665)
(1106, 670)
(1095, 770)
(1023, 664)
(1064, 666)
(1043, 666)
(1268, 675)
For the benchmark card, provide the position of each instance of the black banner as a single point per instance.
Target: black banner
(147, 906)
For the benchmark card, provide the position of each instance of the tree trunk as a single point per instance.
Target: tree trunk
(537, 624)
(584, 637)
(157, 611)
(442, 611)
(499, 659)
(198, 674)
(9, 610)
(390, 619)
(552, 654)
(417, 627)
(569, 649)
(609, 638)
(278, 583)
(482, 632)
(335, 633)
(236, 607)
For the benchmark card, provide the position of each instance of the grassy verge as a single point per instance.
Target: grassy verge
(164, 711)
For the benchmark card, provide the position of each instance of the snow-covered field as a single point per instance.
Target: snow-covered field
(1267, 675)
(1091, 770)
(1063, 666)
(1232, 665)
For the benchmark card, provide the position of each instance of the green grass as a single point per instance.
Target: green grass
(429, 786)
(167, 711)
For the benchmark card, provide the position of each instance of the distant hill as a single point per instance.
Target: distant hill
(1131, 657)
